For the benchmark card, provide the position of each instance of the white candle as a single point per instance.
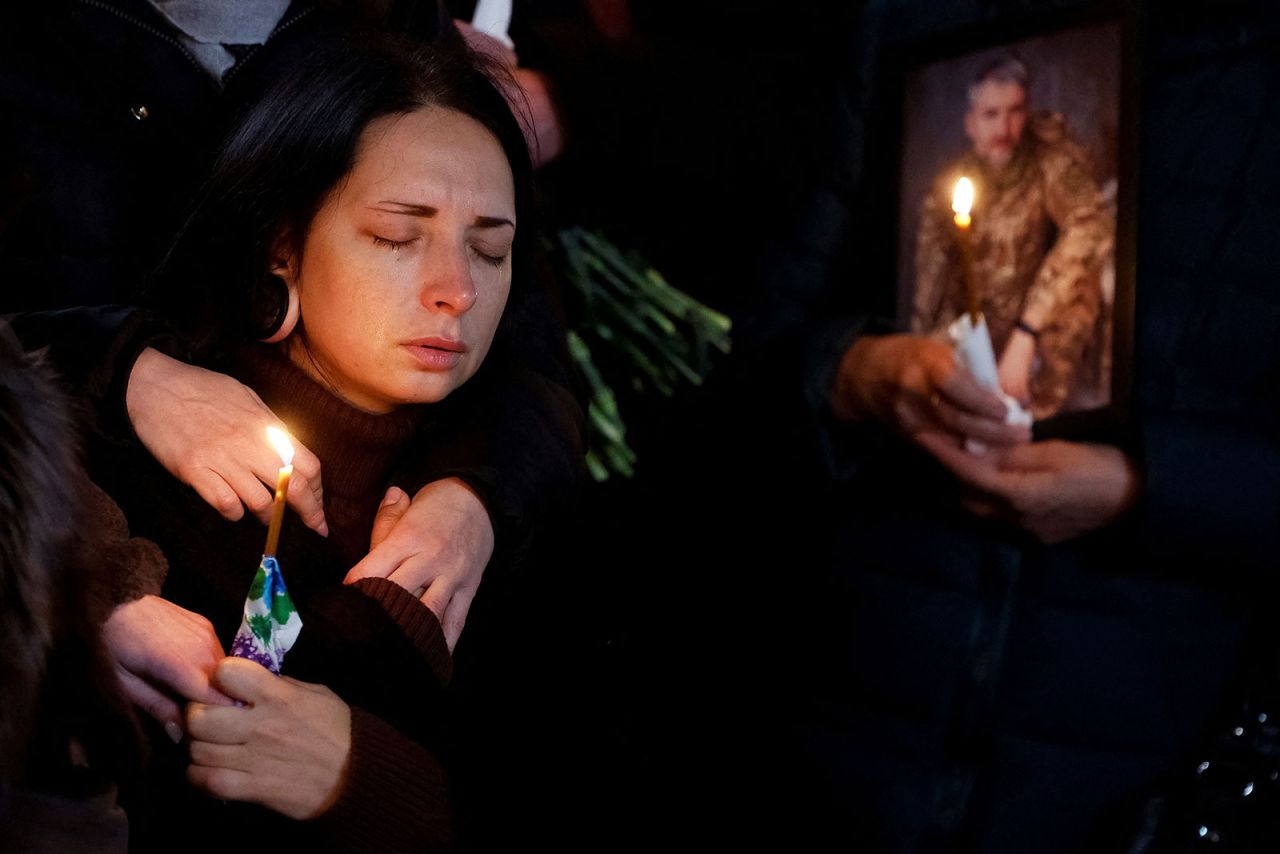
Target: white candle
(493, 17)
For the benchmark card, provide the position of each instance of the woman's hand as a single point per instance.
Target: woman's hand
(209, 431)
(286, 748)
(160, 651)
(436, 547)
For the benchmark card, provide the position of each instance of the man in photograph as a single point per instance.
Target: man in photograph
(1041, 234)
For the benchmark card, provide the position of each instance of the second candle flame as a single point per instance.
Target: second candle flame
(280, 441)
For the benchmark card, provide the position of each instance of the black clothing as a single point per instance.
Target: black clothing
(119, 126)
(982, 692)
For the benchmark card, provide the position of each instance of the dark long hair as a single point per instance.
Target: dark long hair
(292, 148)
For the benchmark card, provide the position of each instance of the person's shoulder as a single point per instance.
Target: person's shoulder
(1047, 127)
(1053, 145)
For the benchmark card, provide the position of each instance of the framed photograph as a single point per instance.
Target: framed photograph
(1040, 119)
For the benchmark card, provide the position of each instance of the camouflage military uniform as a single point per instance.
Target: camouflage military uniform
(1041, 233)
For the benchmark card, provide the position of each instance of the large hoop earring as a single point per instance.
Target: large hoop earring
(285, 318)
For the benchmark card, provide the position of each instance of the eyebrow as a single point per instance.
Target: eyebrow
(428, 212)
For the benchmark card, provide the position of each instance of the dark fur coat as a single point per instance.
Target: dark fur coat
(66, 731)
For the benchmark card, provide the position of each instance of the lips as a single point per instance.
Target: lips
(436, 354)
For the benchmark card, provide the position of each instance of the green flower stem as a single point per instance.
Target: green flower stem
(598, 471)
(606, 426)
(631, 320)
(661, 379)
(657, 336)
(619, 461)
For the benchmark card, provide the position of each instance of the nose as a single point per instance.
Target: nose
(448, 285)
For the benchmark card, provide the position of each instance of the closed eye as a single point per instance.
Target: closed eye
(492, 260)
(393, 245)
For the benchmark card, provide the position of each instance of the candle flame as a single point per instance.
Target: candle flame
(280, 441)
(962, 201)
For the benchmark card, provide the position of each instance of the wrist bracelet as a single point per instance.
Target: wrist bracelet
(1027, 328)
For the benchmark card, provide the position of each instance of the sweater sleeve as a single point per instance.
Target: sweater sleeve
(415, 619)
(379, 649)
(395, 797)
(135, 566)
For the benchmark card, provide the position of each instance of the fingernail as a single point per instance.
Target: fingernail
(174, 731)
(323, 530)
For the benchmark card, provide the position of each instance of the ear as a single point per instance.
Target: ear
(284, 270)
(286, 260)
(289, 320)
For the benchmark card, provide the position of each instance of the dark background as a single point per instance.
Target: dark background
(634, 683)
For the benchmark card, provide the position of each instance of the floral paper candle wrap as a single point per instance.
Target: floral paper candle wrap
(271, 624)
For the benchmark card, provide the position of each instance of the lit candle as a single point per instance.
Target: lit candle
(969, 331)
(280, 441)
(962, 204)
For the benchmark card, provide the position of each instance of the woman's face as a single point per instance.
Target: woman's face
(406, 268)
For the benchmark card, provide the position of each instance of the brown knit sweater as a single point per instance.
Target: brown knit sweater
(356, 449)
(394, 796)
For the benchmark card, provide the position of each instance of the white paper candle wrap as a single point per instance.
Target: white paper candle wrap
(973, 348)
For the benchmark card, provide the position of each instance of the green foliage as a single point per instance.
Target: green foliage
(657, 338)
